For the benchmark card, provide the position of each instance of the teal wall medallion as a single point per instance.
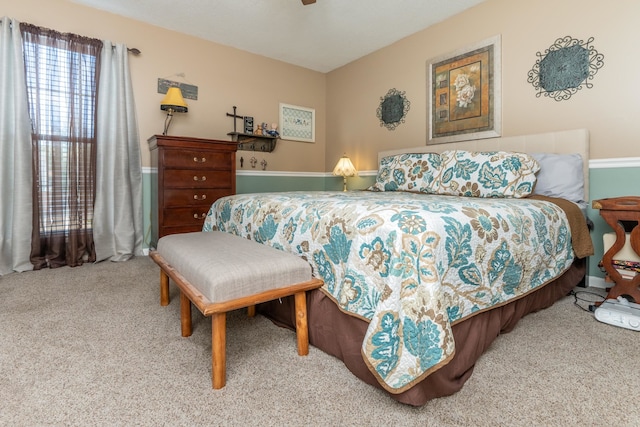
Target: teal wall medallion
(565, 67)
(392, 109)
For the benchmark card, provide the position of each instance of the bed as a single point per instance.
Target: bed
(422, 274)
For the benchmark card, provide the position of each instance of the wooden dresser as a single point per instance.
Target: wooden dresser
(192, 174)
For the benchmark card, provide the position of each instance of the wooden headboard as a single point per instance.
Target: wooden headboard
(563, 142)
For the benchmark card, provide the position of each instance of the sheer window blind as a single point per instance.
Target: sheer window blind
(61, 86)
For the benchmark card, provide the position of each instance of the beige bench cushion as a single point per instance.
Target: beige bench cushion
(225, 267)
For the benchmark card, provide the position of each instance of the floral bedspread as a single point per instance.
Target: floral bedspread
(410, 264)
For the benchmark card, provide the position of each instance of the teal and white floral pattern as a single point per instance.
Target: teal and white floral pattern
(486, 174)
(413, 172)
(410, 264)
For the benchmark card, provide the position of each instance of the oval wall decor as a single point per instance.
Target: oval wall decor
(392, 109)
(565, 67)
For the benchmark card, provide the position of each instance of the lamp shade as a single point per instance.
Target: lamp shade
(344, 167)
(174, 101)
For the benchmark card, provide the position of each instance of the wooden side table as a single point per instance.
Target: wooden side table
(614, 210)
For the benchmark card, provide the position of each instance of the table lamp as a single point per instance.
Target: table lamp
(173, 102)
(344, 168)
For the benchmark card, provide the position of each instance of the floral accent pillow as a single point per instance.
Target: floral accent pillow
(413, 172)
(486, 174)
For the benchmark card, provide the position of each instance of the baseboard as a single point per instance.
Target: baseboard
(597, 282)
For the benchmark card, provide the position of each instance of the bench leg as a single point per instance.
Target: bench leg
(251, 311)
(218, 350)
(185, 315)
(164, 288)
(302, 331)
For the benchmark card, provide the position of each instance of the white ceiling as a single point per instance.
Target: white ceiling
(321, 36)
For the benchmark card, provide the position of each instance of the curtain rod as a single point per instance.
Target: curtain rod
(133, 50)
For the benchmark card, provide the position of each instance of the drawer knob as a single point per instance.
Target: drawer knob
(203, 197)
(204, 178)
(202, 160)
(201, 216)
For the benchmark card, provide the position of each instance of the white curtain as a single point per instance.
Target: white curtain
(15, 154)
(117, 221)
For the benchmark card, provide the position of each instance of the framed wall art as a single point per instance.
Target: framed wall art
(465, 93)
(297, 123)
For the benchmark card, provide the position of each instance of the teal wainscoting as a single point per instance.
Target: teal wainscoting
(608, 178)
(257, 182)
(363, 181)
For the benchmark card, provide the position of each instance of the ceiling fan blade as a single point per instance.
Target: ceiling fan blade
(306, 2)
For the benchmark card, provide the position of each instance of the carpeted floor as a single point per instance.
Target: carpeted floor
(92, 346)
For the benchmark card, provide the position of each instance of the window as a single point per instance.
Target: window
(62, 76)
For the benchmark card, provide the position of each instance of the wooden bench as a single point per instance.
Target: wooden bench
(219, 272)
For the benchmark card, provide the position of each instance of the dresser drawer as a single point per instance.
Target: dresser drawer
(193, 159)
(185, 217)
(193, 197)
(186, 178)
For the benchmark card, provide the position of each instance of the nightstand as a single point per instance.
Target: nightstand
(614, 210)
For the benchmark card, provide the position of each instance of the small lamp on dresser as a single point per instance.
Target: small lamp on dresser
(173, 102)
(345, 168)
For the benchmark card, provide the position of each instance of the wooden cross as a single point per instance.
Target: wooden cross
(235, 117)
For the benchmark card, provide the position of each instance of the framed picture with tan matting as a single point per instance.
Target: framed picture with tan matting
(297, 123)
(465, 93)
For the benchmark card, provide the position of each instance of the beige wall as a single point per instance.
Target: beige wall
(225, 77)
(346, 99)
(610, 109)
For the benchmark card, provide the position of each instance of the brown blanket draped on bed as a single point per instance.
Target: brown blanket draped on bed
(580, 238)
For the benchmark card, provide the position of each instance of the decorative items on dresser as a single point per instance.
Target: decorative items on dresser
(260, 139)
(173, 102)
(253, 142)
(192, 174)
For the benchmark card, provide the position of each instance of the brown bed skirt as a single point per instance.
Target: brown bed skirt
(341, 335)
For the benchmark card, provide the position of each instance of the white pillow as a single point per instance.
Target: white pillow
(560, 176)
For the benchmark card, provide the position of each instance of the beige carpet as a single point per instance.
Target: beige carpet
(92, 346)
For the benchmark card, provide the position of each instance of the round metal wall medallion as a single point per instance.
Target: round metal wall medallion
(392, 109)
(564, 68)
